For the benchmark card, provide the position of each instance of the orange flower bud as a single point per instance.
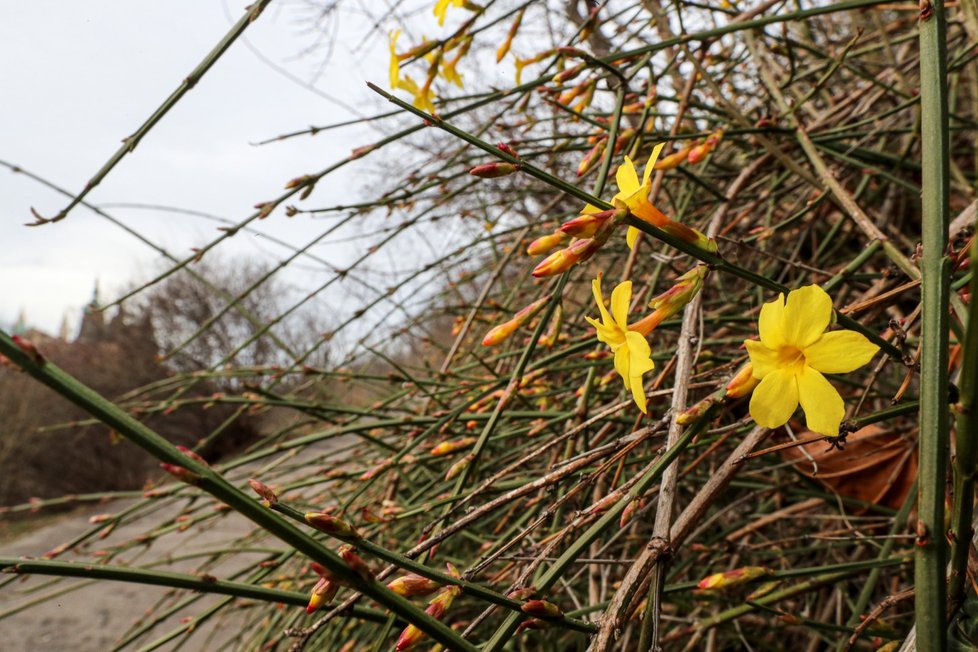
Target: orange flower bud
(674, 160)
(700, 152)
(562, 260)
(494, 170)
(447, 447)
(545, 243)
(568, 74)
(733, 577)
(743, 382)
(263, 490)
(586, 225)
(501, 332)
(689, 234)
(592, 157)
(541, 609)
(410, 586)
(331, 525)
(513, 28)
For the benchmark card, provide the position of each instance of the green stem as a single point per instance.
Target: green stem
(214, 483)
(931, 558)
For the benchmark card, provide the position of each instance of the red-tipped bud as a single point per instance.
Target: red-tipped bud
(410, 637)
(525, 593)
(268, 496)
(681, 293)
(192, 455)
(568, 74)
(545, 243)
(354, 561)
(323, 593)
(331, 525)
(562, 260)
(506, 148)
(696, 411)
(533, 623)
(690, 235)
(28, 348)
(494, 170)
(586, 225)
(448, 447)
(743, 382)
(733, 577)
(182, 474)
(541, 609)
(499, 333)
(410, 586)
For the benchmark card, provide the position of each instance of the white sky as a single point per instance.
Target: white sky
(77, 77)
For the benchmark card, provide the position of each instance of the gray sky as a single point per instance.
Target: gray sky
(80, 76)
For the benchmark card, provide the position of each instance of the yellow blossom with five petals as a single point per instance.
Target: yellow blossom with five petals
(793, 353)
(633, 355)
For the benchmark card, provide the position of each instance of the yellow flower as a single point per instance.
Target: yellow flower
(441, 8)
(395, 65)
(633, 355)
(794, 352)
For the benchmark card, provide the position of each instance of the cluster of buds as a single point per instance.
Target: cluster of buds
(437, 608)
(500, 333)
(594, 229)
(733, 577)
(331, 525)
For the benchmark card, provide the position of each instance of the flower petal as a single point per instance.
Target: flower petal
(599, 299)
(822, 404)
(840, 352)
(770, 324)
(609, 335)
(623, 364)
(631, 237)
(640, 354)
(807, 314)
(763, 359)
(650, 165)
(621, 297)
(774, 399)
(626, 177)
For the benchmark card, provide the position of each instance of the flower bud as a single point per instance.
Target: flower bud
(586, 225)
(503, 49)
(192, 455)
(182, 474)
(700, 152)
(494, 170)
(541, 609)
(269, 497)
(545, 243)
(525, 593)
(562, 260)
(506, 148)
(331, 525)
(356, 562)
(448, 447)
(501, 332)
(459, 466)
(743, 382)
(323, 593)
(410, 586)
(592, 157)
(733, 577)
(698, 410)
(533, 623)
(28, 348)
(674, 160)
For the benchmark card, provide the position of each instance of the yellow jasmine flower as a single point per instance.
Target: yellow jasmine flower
(441, 8)
(793, 353)
(395, 65)
(636, 195)
(633, 355)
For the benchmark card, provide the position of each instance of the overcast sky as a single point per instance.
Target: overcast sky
(77, 77)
